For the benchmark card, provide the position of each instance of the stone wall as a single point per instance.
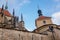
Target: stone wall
(7, 34)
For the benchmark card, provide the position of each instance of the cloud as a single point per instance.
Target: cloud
(56, 18)
(22, 3)
(57, 6)
(15, 3)
(1, 2)
(56, 0)
(26, 1)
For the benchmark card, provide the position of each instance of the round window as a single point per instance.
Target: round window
(44, 22)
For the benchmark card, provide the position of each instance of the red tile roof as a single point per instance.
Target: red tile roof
(42, 17)
(6, 12)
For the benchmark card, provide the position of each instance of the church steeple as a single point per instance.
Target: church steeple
(6, 6)
(21, 24)
(39, 12)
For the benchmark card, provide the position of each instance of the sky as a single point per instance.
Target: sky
(29, 10)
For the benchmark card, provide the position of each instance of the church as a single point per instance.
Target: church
(6, 19)
(13, 29)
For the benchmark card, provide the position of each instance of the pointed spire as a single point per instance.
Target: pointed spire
(21, 17)
(13, 12)
(14, 19)
(2, 8)
(6, 6)
(39, 11)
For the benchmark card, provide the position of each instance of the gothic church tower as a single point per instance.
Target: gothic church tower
(21, 23)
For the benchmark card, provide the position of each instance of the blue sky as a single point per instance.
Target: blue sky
(29, 10)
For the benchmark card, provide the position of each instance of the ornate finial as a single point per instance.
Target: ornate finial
(39, 11)
(21, 17)
(6, 7)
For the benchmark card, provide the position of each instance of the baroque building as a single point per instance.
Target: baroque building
(45, 26)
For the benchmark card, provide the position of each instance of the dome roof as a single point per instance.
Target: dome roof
(40, 12)
(6, 12)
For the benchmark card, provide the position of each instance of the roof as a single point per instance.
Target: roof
(42, 17)
(6, 12)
